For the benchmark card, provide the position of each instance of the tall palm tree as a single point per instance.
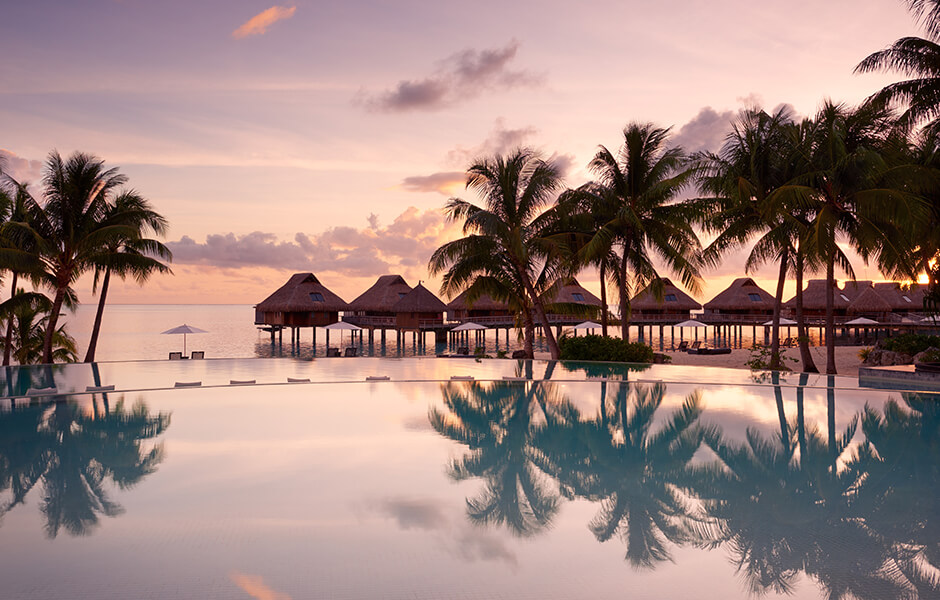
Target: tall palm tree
(642, 218)
(917, 58)
(136, 255)
(853, 194)
(28, 315)
(68, 226)
(741, 177)
(504, 238)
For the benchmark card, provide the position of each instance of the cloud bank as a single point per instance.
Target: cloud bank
(706, 131)
(261, 22)
(460, 77)
(21, 169)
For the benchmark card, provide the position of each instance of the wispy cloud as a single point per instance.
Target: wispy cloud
(254, 586)
(19, 168)
(261, 22)
(459, 77)
(443, 182)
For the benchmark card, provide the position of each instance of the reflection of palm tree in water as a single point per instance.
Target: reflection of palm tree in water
(496, 423)
(640, 476)
(75, 455)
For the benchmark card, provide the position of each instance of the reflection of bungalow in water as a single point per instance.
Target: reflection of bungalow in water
(484, 310)
(374, 307)
(675, 305)
(419, 309)
(742, 297)
(301, 302)
(571, 303)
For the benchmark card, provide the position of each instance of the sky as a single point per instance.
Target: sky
(326, 137)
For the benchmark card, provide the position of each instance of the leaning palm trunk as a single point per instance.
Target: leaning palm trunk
(809, 365)
(775, 362)
(102, 298)
(47, 357)
(603, 301)
(8, 338)
(547, 329)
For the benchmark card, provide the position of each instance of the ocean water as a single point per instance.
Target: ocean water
(133, 332)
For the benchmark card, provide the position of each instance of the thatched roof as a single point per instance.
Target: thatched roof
(419, 300)
(572, 293)
(383, 295)
(482, 302)
(892, 293)
(742, 294)
(645, 300)
(853, 289)
(814, 296)
(869, 301)
(297, 295)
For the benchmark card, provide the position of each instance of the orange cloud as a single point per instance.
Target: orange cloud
(259, 24)
(254, 586)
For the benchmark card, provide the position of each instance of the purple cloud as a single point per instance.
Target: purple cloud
(706, 131)
(21, 169)
(459, 77)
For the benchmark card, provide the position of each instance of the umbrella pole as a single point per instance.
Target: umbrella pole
(184, 344)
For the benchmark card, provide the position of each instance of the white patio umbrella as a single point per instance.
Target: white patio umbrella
(341, 326)
(861, 321)
(783, 321)
(468, 326)
(185, 330)
(588, 325)
(691, 323)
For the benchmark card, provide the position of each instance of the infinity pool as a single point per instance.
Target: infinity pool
(572, 481)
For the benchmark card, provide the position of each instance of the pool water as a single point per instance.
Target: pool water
(663, 482)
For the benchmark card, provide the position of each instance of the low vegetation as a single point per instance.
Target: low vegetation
(910, 343)
(597, 347)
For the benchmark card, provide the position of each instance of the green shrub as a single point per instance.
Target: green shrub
(910, 343)
(864, 352)
(931, 356)
(597, 347)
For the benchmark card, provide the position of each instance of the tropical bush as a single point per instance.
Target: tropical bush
(910, 343)
(596, 347)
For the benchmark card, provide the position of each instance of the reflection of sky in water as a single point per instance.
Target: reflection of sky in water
(342, 490)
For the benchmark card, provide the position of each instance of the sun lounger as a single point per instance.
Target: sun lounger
(518, 354)
(297, 380)
(352, 351)
(188, 384)
(378, 378)
(463, 350)
(683, 346)
(197, 355)
(100, 388)
(461, 377)
(332, 352)
(176, 356)
(46, 391)
(241, 382)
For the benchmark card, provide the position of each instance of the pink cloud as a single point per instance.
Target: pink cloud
(261, 22)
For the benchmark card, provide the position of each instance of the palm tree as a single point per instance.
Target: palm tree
(28, 316)
(917, 58)
(128, 256)
(852, 193)
(641, 218)
(68, 226)
(504, 238)
(751, 165)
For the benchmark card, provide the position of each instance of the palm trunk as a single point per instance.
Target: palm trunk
(102, 298)
(781, 412)
(51, 325)
(603, 301)
(830, 315)
(775, 362)
(624, 300)
(809, 365)
(8, 338)
(546, 328)
(528, 335)
(800, 417)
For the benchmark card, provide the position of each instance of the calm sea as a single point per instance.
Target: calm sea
(132, 332)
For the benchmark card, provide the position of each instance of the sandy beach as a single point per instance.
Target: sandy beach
(847, 360)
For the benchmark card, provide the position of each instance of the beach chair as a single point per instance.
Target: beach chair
(695, 346)
(332, 352)
(176, 356)
(518, 354)
(197, 355)
(463, 351)
(683, 346)
(352, 351)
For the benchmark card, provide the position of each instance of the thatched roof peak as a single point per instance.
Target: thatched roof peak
(869, 301)
(303, 292)
(742, 294)
(673, 299)
(482, 302)
(814, 296)
(383, 295)
(571, 292)
(420, 299)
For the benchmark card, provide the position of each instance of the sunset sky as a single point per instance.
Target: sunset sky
(326, 136)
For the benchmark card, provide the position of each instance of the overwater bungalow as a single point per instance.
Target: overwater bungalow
(870, 304)
(743, 298)
(571, 303)
(301, 302)
(675, 305)
(902, 300)
(419, 309)
(484, 310)
(814, 299)
(374, 307)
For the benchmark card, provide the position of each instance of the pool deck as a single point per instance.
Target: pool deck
(897, 376)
